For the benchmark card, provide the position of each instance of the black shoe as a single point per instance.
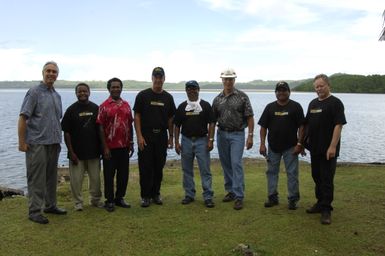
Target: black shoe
(326, 218)
(187, 200)
(292, 205)
(109, 207)
(209, 203)
(122, 203)
(238, 204)
(314, 209)
(145, 202)
(229, 197)
(270, 203)
(38, 218)
(55, 210)
(157, 200)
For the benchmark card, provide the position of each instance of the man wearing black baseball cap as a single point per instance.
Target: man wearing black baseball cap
(282, 121)
(195, 118)
(154, 111)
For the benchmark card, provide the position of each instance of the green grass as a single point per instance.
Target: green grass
(358, 221)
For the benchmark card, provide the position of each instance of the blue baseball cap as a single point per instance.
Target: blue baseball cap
(192, 84)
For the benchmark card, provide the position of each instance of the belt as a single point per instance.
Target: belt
(194, 138)
(230, 129)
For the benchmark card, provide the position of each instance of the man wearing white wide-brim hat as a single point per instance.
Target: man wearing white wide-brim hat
(233, 113)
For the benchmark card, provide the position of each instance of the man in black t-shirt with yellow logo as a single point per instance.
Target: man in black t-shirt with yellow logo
(324, 120)
(154, 112)
(195, 118)
(283, 121)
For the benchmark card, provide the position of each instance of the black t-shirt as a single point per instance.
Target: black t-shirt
(321, 118)
(79, 121)
(194, 124)
(282, 123)
(155, 109)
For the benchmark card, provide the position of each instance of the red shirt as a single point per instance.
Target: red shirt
(116, 119)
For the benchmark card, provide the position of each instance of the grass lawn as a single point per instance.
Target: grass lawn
(358, 221)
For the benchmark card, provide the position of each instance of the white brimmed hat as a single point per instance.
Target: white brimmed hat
(228, 73)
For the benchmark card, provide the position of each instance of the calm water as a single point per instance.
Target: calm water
(363, 138)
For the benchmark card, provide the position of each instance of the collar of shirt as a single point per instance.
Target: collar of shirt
(111, 100)
(43, 86)
(235, 92)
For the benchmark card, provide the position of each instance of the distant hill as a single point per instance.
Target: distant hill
(350, 84)
(340, 83)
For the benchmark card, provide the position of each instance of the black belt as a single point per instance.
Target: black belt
(194, 138)
(230, 129)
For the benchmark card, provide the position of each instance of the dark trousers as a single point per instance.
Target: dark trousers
(151, 162)
(119, 163)
(323, 171)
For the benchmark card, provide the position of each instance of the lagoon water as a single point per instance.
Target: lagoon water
(363, 138)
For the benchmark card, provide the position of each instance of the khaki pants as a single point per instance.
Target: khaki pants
(41, 161)
(92, 167)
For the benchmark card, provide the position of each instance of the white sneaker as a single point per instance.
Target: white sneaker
(78, 207)
(98, 204)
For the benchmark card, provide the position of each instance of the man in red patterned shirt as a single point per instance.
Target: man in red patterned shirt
(115, 119)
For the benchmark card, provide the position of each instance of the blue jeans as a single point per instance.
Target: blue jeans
(291, 165)
(191, 148)
(230, 150)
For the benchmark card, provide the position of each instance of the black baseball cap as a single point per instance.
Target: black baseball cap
(282, 85)
(158, 71)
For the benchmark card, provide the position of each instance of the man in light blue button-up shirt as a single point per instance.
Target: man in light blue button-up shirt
(39, 133)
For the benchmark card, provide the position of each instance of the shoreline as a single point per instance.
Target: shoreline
(63, 171)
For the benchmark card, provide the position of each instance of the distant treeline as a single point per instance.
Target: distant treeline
(340, 83)
(350, 84)
(138, 85)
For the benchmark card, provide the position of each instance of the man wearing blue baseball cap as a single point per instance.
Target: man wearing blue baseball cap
(194, 118)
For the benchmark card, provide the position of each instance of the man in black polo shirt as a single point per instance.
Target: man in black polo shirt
(196, 119)
(283, 121)
(154, 111)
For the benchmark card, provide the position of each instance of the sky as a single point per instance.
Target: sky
(191, 39)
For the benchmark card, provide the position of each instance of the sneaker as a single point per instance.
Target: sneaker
(209, 203)
(157, 200)
(38, 218)
(326, 218)
(78, 207)
(187, 200)
(292, 205)
(238, 204)
(229, 197)
(98, 204)
(145, 202)
(314, 209)
(270, 203)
